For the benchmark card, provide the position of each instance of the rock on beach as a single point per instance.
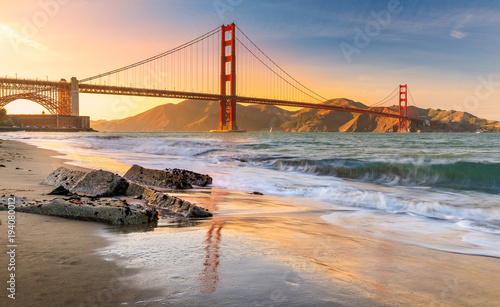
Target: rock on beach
(65, 177)
(191, 177)
(117, 214)
(175, 204)
(156, 178)
(101, 183)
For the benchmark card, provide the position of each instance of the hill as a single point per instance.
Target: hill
(194, 115)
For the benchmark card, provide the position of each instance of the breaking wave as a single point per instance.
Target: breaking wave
(457, 175)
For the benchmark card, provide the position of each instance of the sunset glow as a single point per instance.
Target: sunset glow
(338, 49)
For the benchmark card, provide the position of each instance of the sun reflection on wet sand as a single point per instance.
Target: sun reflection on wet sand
(93, 162)
(384, 268)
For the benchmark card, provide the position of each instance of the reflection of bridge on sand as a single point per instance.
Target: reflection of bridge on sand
(210, 276)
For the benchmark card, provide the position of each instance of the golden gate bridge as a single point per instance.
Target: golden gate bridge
(222, 65)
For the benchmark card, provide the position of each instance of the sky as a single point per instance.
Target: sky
(446, 51)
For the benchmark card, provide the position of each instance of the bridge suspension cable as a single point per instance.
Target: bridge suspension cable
(194, 67)
(262, 76)
(411, 98)
(191, 67)
(388, 98)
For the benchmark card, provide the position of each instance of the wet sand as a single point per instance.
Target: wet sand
(256, 251)
(330, 265)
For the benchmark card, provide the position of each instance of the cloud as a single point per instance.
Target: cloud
(457, 34)
(16, 39)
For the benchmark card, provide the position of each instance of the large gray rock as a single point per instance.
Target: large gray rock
(156, 178)
(165, 201)
(115, 212)
(64, 177)
(175, 204)
(191, 177)
(101, 183)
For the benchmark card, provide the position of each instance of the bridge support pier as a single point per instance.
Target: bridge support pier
(75, 98)
(228, 115)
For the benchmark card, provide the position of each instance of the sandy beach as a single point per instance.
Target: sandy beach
(256, 251)
(55, 262)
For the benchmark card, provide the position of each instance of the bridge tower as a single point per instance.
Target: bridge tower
(228, 61)
(75, 102)
(403, 123)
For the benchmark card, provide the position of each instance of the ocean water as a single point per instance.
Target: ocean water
(439, 191)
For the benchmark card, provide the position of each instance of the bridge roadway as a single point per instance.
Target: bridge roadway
(116, 90)
(130, 91)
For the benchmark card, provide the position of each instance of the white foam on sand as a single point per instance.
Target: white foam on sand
(449, 236)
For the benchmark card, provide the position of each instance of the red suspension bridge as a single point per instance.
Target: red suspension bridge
(222, 65)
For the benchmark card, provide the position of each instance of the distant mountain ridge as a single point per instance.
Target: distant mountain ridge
(195, 115)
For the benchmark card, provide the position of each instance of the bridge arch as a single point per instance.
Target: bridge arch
(52, 105)
(53, 96)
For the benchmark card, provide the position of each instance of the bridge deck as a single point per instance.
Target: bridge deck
(130, 91)
(115, 90)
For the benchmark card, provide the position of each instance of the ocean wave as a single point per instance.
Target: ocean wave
(337, 193)
(457, 175)
(492, 226)
(108, 137)
(435, 209)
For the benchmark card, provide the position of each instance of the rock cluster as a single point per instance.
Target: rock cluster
(93, 195)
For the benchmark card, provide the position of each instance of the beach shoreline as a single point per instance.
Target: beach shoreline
(256, 250)
(55, 262)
